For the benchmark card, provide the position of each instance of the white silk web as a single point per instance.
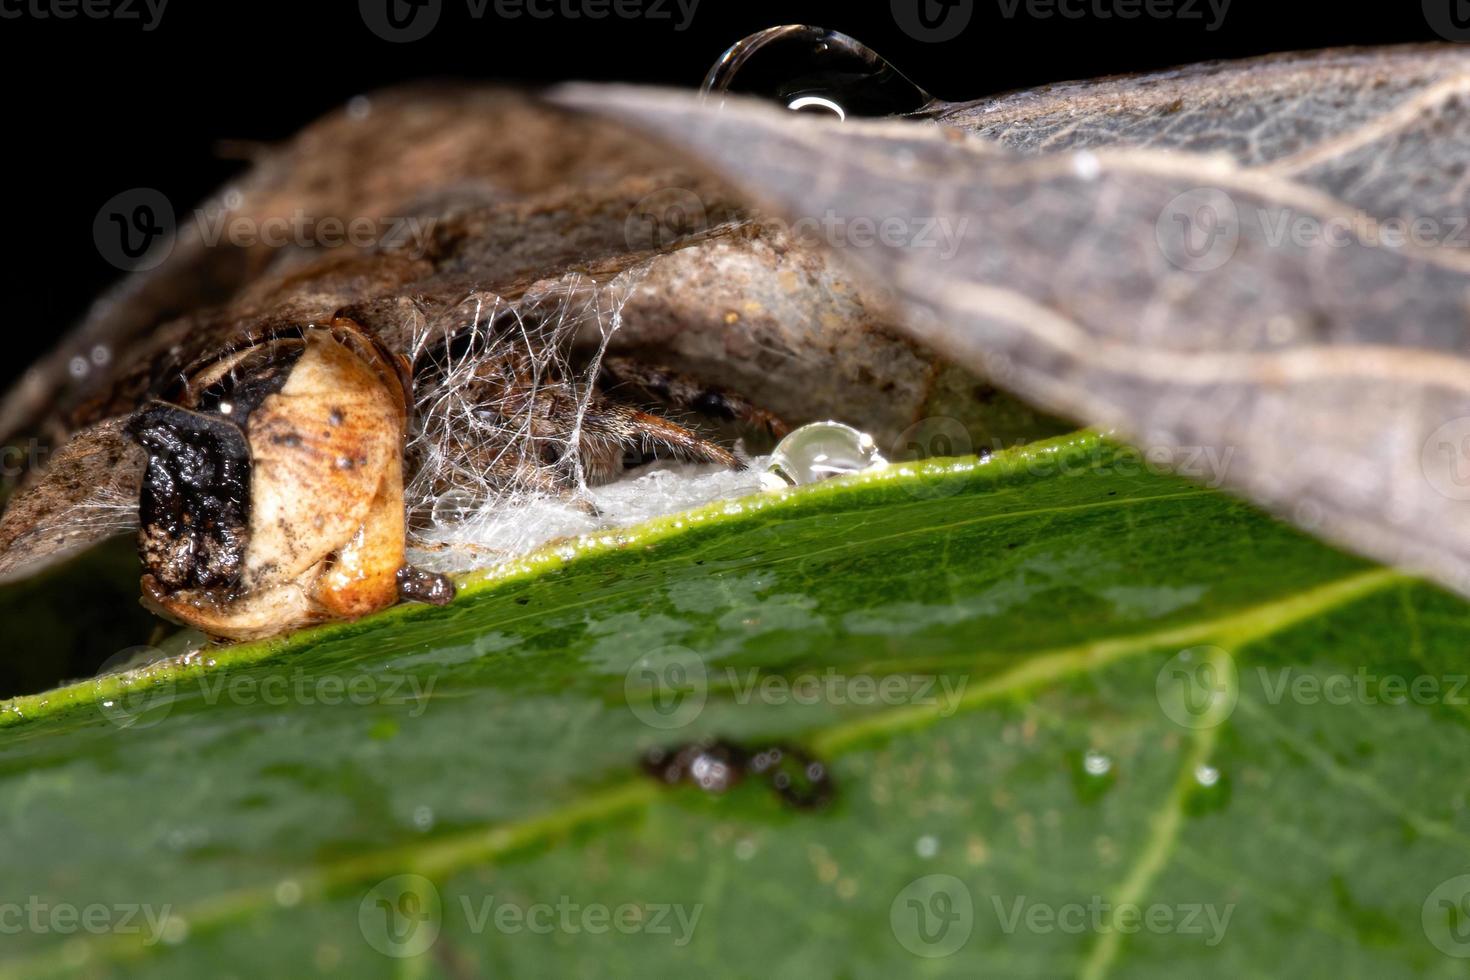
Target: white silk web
(500, 405)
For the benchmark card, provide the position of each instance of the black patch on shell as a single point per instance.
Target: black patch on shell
(195, 504)
(261, 373)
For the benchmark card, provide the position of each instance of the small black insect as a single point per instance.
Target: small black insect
(716, 765)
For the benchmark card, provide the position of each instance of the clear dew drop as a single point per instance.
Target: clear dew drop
(1206, 776)
(1096, 764)
(818, 452)
(811, 69)
(454, 509)
(288, 892)
(423, 817)
(926, 846)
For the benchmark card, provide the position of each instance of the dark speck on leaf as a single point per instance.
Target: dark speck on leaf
(715, 765)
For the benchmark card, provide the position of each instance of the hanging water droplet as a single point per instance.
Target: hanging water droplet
(811, 69)
(926, 846)
(1096, 764)
(820, 451)
(1206, 775)
(454, 509)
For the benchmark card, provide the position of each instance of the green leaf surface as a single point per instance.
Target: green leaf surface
(1052, 688)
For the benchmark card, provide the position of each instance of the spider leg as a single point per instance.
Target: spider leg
(609, 428)
(684, 391)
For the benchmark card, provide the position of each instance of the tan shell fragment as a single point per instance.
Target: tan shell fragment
(326, 525)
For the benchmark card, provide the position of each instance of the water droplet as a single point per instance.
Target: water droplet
(359, 107)
(288, 892)
(820, 451)
(745, 849)
(454, 509)
(175, 930)
(423, 817)
(811, 69)
(1206, 775)
(1093, 775)
(926, 846)
(79, 367)
(101, 354)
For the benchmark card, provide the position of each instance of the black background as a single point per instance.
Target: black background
(94, 107)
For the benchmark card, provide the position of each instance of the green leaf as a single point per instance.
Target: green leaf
(1098, 696)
